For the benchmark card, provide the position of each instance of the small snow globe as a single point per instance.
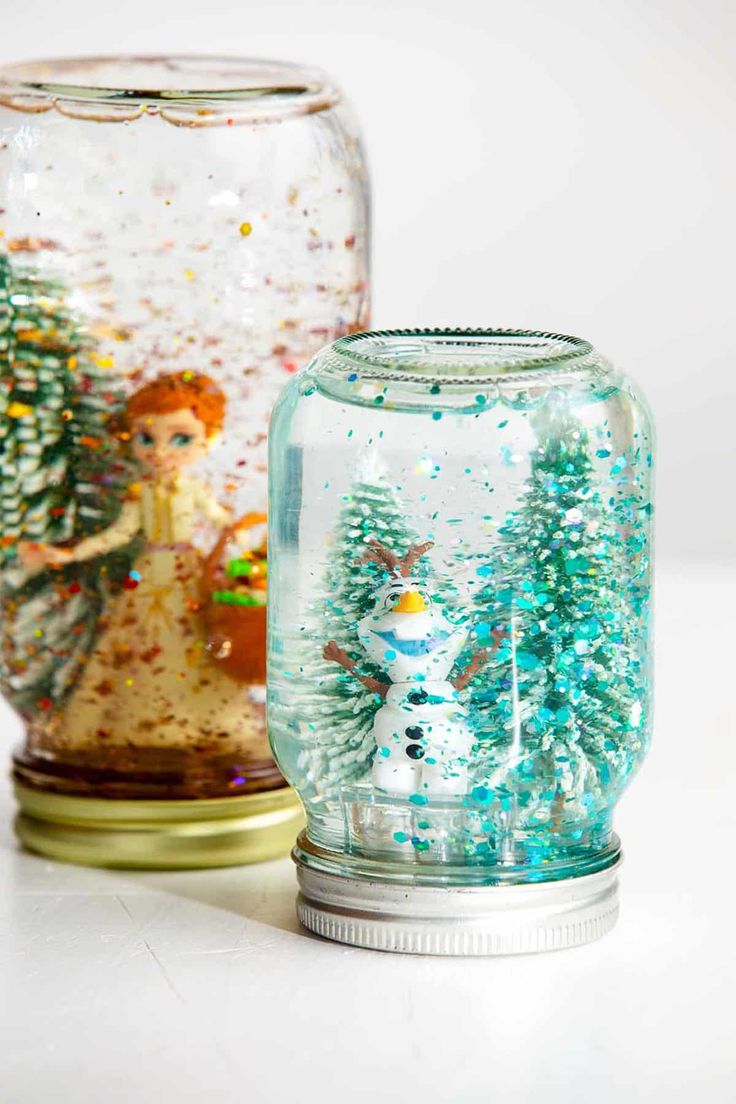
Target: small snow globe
(459, 646)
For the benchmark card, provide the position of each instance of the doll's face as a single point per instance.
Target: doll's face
(166, 443)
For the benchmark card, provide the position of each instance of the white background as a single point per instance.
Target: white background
(561, 164)
(566, 165)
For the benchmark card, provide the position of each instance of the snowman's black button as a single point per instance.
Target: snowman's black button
(418, 697)
(414, 732)
(415, 751)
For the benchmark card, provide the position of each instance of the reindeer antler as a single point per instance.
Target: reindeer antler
(416, 551)
(380, 554)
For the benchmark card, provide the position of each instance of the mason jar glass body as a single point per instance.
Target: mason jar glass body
(459, 643)
(178, 235)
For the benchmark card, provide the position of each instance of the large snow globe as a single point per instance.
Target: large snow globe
(177, 236)
(459, 634)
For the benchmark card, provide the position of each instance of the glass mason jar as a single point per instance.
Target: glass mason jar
(459, 634)
(177, 236)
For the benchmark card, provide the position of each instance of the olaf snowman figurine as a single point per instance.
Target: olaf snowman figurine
(423, 741)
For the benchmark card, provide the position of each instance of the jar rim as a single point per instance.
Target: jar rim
(458, 355)
(216, 85)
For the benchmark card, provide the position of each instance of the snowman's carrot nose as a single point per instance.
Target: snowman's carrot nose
(410, 601)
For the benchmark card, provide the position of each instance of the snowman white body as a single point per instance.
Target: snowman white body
(421, 731)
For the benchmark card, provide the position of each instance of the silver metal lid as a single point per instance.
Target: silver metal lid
(452, 920)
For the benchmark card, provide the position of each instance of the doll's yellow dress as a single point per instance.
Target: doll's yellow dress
(150, 682)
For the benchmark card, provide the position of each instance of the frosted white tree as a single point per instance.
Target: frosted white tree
(334, 712)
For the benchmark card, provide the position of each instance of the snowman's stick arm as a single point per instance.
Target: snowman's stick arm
(479, 660)
(332, 653)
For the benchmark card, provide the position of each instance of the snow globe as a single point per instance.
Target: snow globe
(459, 655)
(177, 236)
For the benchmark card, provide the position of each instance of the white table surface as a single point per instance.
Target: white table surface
(127, 987)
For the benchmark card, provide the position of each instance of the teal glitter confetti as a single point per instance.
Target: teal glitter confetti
(420, 844)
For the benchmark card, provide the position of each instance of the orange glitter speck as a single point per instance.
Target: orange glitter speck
(245, 228)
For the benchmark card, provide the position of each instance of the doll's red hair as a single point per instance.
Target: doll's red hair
(180, 391)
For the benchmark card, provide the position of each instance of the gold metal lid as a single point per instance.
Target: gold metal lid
(159, 835)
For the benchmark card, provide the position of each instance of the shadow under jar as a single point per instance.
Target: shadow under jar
(177, 236)
(459, 635)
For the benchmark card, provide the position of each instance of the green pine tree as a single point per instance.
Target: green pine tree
(554, 724)
(64, 477)
(615, 709)
(474, 604)
(339, 709)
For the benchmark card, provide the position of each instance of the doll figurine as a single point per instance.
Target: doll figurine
(150, 681)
